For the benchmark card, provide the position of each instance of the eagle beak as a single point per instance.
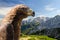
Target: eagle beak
(33, 14)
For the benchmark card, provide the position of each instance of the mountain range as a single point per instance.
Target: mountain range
(45, 22)
(42, 25)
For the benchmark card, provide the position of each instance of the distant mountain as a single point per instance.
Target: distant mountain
(52, 32)
(41, 19)
(42, 26)
(34, 24)
(53, 22)
(45, 22)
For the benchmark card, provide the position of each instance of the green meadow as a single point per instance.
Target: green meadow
(36, 37)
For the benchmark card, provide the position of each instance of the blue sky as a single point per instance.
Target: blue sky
(48, 8)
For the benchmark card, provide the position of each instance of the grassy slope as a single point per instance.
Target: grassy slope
(36, 37)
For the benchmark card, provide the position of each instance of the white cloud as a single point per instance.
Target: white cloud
(49, 8)
(42, 16)
(6, 5)
(58, 11)
(39, 14)
(4, 11)
(52, 10)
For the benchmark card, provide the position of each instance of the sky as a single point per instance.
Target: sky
(47, 8)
